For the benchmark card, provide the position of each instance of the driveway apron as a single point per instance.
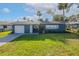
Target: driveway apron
(8, 38)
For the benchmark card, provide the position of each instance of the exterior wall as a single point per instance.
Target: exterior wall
(13, 29)
(62, 27)
(27, 28)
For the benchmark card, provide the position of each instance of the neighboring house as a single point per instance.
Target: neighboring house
(30, 26)
(74, 25)
(5, 26)
(73, 22)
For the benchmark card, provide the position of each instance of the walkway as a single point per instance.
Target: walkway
(8, 38)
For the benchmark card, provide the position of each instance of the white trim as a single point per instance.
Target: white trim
(31, 29)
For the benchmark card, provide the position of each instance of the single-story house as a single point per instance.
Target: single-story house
(5, 26)
(31, 26)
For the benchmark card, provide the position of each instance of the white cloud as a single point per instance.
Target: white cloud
(29, 10)
(43, 6)
(6, 10)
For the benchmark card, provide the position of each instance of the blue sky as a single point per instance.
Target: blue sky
(12, 11)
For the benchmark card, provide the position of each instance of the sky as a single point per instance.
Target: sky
(13, 11)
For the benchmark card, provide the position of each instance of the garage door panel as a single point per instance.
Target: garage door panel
(19, 29)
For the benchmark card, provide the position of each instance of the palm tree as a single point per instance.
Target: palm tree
(41, 27)
(63, 7)
(58, 18)
(39, 14)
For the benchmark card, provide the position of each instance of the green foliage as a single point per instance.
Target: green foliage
(39, 13)
(62, 6)
(58, 18)
(78, 31)
(50, 12)
(67, 19)
(41, 28)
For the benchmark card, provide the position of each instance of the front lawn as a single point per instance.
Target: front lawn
(42, 45)
(5, 33)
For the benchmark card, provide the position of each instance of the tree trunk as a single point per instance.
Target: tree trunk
(63, 15)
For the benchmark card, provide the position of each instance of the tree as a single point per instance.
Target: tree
(67, 25)
(41, 27)
(51, 12)
(63, 7)
(39, 14)
(67, 19)
(24, 18)
(58, 18)
(77, 17)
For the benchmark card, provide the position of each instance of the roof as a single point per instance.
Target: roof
(4, 23)
(33, 22)
(25, 22)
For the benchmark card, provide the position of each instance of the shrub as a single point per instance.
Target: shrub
(78, 31)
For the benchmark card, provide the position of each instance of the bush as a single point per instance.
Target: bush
(41, 29)
(78, 31)
(67, 29)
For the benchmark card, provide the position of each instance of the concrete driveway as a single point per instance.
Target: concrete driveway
(8, 38)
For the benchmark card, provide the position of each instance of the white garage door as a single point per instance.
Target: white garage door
(19, 29)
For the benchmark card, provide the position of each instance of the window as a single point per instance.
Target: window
(52, 26)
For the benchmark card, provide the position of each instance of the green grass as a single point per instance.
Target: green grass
(42, 45)
(5, 33)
